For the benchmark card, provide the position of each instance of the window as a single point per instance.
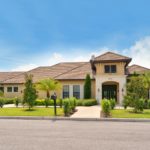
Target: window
(113, 68)
(15, 89)
(65, 91)
(107, 69)
(110, 69)
(2, 89)
(9, 89)
(76, 91)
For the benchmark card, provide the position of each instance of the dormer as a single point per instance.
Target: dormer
(110, 64)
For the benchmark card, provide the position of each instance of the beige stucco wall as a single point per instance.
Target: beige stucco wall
(119, 77)
(120, 68)
(42, 94)
(77, 82)
(14, 94)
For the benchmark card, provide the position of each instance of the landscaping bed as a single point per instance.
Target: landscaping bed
(128, 113)
(33, 112)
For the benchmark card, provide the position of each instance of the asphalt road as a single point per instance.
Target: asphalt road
(73, 135)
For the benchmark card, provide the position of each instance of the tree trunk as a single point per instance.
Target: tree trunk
(48, 94)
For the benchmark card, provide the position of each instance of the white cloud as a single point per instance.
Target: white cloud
(140, 52)
(25, 67)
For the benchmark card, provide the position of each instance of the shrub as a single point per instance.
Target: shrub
(61, 103)
(47, 102)
(79, 102)
(16, 101)
(9, 100)
(67, 109)
(106, 107)
(86, 102)
(1, 102)
(139, 105)
(40, 102)
(72, 103)
(89, 102)
(148, 104)
(112, 103)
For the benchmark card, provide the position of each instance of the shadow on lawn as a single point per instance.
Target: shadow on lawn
(144, 112)
(29, 110)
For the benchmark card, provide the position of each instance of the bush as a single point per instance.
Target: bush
(125, 102)
(9, 100)
(106, 107)
(86, 102)
(41, 102)
(16, 101)
(148, 104)
(89, 102)
(72, 103)
(112, 103)
(60, 103)
(67, 109)
(1, 102)
(79, 102)
(139, 105)
(47, 102)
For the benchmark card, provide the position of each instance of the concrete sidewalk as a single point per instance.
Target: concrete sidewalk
(87, 112)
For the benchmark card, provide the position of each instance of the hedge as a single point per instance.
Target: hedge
(86, 102)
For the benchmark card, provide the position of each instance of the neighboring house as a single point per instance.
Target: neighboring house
(108, 73)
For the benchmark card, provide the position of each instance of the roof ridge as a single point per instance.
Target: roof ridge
(70, 70)
(139, 66)
(113, 53)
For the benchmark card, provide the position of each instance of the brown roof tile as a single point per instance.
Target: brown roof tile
(136, 68)
(77, 73)
(49, 72)
(110, 56)
(8, 75)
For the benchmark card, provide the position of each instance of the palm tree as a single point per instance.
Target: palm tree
(146, 80)
(48, 85)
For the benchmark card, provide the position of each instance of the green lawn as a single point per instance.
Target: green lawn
(121, 113)
(33, 112)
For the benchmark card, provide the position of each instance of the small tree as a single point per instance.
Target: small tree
(29, 91)
(87, 87)
(146, 81)
(48, 85)
(136, 94)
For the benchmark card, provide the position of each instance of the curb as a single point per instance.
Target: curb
(77, 119)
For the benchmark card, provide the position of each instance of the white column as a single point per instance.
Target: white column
(81, 91)
(70, 90)
(122, 91)
(98, 89)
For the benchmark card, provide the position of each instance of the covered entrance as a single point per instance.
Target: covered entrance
(110, 90)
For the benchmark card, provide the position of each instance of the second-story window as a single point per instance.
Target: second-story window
(110, 69)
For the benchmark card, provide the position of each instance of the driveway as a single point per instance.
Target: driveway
(73, 135)
(87, 112)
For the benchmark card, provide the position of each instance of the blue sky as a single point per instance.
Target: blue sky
(44, 32)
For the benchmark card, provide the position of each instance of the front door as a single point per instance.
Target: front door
(109, 92)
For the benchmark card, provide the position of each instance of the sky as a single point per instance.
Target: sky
(45, 32)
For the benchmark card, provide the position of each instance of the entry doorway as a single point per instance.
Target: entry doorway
(109, 91)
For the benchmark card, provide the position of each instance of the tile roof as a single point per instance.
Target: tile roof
(75, 70)
(8, 75)
(110, 56)
(136, 68)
